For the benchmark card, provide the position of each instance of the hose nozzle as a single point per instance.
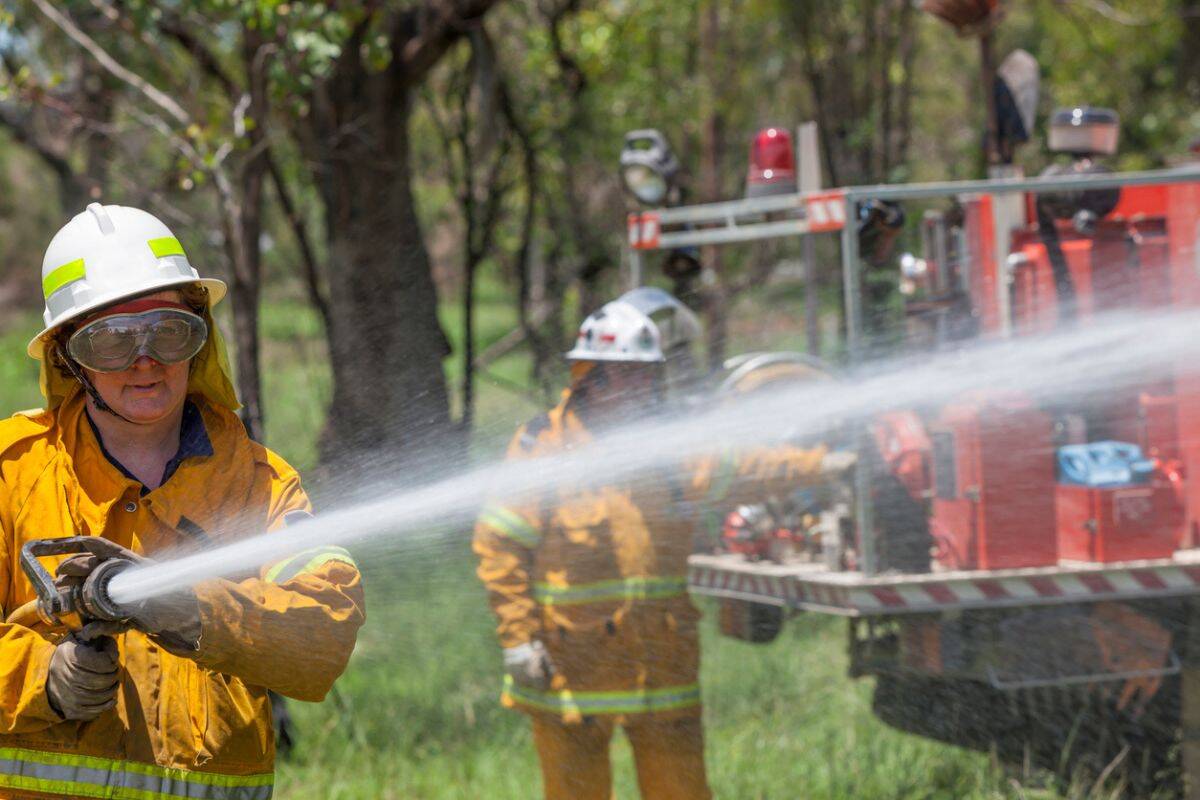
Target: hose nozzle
(75, 606)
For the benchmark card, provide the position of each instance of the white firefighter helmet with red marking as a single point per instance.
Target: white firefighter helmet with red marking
(646, 325)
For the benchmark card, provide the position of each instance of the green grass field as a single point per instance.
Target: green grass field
(416, 714)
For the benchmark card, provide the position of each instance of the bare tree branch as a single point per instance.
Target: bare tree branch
(436, 25)
(1116, 15)
(295, 220)
(205, 58)
(114, 67)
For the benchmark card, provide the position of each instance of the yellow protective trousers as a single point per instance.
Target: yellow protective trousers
(669, 756)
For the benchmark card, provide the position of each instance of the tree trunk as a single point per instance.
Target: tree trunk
(468, 375)
(715, 299)
(390, 400)
(245, 216)
(1189, 51)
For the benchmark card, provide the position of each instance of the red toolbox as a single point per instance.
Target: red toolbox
(1123, 523)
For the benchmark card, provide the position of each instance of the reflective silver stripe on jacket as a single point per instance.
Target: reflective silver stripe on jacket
(70, 775)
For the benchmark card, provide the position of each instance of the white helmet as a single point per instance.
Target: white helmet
(646, 325)
(106, 254)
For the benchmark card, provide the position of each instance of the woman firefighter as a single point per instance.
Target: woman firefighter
(139, 444)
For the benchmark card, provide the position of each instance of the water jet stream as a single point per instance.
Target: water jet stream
(1116, 348)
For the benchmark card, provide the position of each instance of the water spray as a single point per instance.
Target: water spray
(1067, 362)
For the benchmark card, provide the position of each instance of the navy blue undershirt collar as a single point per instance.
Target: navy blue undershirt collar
(193, 442)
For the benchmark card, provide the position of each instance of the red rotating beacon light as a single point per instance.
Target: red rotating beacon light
(772, 164)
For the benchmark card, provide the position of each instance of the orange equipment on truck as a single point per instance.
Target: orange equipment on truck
(1002, 544)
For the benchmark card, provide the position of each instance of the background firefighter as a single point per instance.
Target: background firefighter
(133, 369)
(590, 584)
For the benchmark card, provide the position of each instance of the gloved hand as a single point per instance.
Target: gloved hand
(172, 619)
(529, 665)
(838, 461)
(82, 683)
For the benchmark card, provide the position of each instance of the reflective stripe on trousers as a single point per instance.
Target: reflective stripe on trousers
(71, 775)
(636, 701)
(634, 588)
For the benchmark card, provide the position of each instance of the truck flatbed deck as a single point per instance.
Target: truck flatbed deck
(813, 587)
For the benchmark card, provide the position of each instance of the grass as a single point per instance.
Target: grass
(416, 714)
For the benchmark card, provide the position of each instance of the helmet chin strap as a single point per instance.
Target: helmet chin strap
(87, 384)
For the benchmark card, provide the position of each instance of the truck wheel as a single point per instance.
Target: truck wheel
(757, 623)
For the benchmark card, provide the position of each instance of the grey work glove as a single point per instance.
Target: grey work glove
(838, 462)
(172, 619)
(83, 680)
(529, 665)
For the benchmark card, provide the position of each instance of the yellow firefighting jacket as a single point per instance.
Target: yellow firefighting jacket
(182, 728)
(599, 575)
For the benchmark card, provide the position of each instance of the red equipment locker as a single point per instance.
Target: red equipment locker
(1118, 524)
(1183, 232)
(994, 481)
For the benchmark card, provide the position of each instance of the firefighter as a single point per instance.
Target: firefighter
(590, 584)
(139, 443)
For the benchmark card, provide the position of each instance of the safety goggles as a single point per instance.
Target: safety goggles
(167, 332)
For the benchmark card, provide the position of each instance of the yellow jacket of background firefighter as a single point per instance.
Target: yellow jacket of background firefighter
(599, 575)
(189, 728)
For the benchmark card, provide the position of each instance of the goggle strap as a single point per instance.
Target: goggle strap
(91, 390)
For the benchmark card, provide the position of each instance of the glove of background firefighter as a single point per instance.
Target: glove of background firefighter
(529, 665)
(171, 619)
(838, 461)
(82, 682)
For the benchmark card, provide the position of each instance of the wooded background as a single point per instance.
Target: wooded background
(377, 160)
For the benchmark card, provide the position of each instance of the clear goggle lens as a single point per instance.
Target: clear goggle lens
(113, 344)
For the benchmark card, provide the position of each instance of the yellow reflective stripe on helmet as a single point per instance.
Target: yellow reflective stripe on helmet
(308, 561)
(638, 588)
(636, 701)
(166, 246)
(509, 523)
(61, 276)
(71, 775)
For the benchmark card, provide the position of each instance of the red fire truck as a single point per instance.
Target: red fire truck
(1033, 596)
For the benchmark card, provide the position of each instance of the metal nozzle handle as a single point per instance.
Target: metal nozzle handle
(51, 602)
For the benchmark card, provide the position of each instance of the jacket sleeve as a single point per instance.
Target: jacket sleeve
(292, 627)
(506, 540)
(753, 475)
(24, 662)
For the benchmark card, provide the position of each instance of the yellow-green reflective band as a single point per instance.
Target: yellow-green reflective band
(643, 588)
(166, 246)
(509, 523)
(71, 775)
(308, 561)
(61, 276)
(638, 701)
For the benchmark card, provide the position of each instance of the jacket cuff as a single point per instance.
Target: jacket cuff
(37, 704)
(220, 616)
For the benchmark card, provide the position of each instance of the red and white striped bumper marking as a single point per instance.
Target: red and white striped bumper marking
(928, 593)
